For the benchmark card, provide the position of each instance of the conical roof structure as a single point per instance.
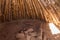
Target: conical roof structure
(46, 10)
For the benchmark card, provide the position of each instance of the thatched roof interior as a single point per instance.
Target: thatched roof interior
(15, 13)
(47, 10)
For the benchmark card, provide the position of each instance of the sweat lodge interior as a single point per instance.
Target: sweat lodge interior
(29, 19)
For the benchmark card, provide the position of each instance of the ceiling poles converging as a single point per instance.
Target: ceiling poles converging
(47, 10)
(50, 10)
(50, 14)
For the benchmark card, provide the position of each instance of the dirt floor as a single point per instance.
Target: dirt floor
(9, 30)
